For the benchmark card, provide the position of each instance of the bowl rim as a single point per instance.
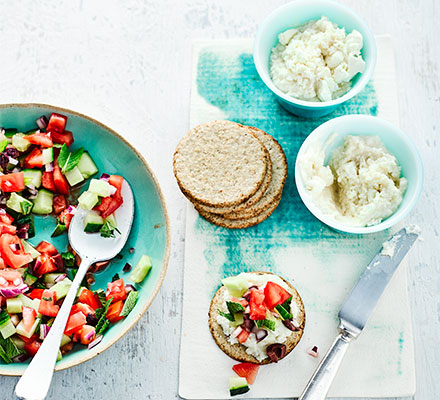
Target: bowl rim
(354, 90)
(98, 350)
(393, 219)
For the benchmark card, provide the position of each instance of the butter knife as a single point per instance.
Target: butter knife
(357, 309)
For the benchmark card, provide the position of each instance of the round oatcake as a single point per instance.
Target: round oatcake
(237, 351)
(220, 220)
(220, 163)
(275, 189)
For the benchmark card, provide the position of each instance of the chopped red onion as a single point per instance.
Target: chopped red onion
(260, 334)
(13, 292)
(14, 246)
(15, 320)
(3, 281)
(131, 250)
(58, 260)
(129, 288)
(247, 310)
(313, 351)
(13, 161)
(127, 267)
(38, 264)
(22, 231)
(95, 342)
(105, 177)
(71, 209)
(17, 281)
(2, 211)
(60, 278)
(20, 358)
(236, 332)
(42, 122)
(44, 330)
(90, 334)
(49, 167)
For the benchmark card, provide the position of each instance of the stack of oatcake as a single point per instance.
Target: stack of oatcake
(233, 174)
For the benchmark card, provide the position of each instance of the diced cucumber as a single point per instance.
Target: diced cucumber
(142, 269)
(13, 305)
(19, 204)
(47, 155)
(87, 166)
(238, 319)
(43, 202)
(65, 340)
(25, 301)
(30, 279)
(100, 187)
(59, 355)
(18, 342)
(112, 219)
(88, 200)
(33, 176)
(7, 328)
(238, 385)
(21, 330)
(236, 285)
(20, 143)
(28, 248)
(74, 176)
(62, 288)
(50, 278)
(59, 229)
(93, 222)
(36, 305)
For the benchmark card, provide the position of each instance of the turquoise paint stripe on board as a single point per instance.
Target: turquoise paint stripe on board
(231, 83)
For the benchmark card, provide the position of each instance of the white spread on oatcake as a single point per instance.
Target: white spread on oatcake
(279, 335)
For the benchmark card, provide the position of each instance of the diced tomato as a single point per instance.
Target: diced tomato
(48, 304)
(5, 228)
(61, 184)
(6, 219)
(36, 294)
(44, 264)
(47, 181)
(34, 159)
(87, 297)
(75, 323)
(110, 204)
(46, 248)
(243, 302)
(87, 334)
(13, 258)
(59, 204)
(12, 182)
(65, 217)
(82, 307)
(33, 338)
(57, 123)
(29, 316)
(242, 337)
(116, 290)
(31, 348)
(40, 139)
(10, 275)
(274, 294)
(114, 311)
(62, 138)
(256, 305)
(247, 370)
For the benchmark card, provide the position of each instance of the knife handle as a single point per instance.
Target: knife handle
(321, 380)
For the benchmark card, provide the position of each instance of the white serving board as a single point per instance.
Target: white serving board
(379, 364)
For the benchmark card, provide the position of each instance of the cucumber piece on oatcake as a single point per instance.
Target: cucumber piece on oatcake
(238, 385)
(236, 285)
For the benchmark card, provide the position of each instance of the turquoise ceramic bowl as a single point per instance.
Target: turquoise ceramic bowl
(294, 14)
(395, 140)
(150, 233)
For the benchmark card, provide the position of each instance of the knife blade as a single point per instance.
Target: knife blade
(357, 309)
(364, 296)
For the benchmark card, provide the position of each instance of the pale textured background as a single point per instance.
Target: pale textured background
(127, 63)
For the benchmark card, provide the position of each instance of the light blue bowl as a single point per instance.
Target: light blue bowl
(395, 140)
(294, 14)
(150, 233)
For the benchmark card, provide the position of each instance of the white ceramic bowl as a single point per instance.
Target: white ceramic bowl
(396, 141)
(295, 14)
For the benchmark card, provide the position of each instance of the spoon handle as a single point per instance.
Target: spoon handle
(35, 382)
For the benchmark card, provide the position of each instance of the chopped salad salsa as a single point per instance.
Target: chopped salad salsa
(39, 175)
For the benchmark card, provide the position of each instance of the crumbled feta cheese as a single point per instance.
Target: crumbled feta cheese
(316, 61)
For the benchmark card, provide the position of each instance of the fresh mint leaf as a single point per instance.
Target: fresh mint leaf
(103, 327)
(234, 307)
(101, 296)
(66, 160)
(228, 316)
(108, 230)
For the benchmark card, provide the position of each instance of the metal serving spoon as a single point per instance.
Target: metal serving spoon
(35, 382)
